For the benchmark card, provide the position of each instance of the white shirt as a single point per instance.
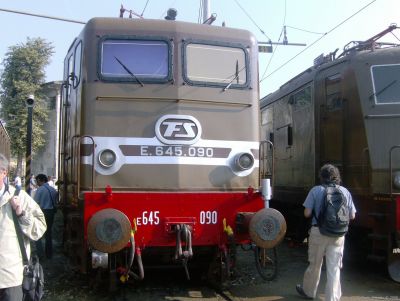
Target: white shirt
(17, 181)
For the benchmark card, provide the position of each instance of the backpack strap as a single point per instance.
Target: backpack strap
(314, 214)
(6, 189)
(51, 196)
(19, 233)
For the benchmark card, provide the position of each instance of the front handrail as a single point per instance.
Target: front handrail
(264, 161)
(79, 162)
(391, 170)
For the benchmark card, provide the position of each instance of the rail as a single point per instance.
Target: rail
(391, 170)
(266, 170)
(214, 102)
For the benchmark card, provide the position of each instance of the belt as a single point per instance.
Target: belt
(315, 225)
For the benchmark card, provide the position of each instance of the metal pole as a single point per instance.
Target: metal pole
(29, 102)
(206, 10)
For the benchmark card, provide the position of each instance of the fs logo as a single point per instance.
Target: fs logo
(178, 129)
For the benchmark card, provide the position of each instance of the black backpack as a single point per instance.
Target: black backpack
(334, 217)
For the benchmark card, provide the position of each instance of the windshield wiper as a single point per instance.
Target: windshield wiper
(129, 71)
(383, 89)
(235, 77)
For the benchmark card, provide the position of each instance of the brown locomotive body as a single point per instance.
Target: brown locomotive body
(344, 111)
(160, 135)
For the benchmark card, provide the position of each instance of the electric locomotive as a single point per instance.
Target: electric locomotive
(160, 148)
(344, 110)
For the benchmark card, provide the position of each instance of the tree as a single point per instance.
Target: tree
(23, 75)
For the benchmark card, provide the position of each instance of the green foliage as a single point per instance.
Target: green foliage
(23, 75)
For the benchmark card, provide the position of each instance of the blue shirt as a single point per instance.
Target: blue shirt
(315, 198)
(46, 196)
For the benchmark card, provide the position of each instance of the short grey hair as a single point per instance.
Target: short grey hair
(3, 162)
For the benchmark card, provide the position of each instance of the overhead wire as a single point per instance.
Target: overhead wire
(276, 48)
(252, 20)
(147, 2)
(41, 16)
(316, 41)
(395, 36)
(304, 30)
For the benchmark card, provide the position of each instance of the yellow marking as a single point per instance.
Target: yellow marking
(134, 228)
(227, 229)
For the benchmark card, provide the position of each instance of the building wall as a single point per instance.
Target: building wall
(46, 160)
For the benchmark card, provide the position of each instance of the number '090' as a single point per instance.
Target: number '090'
(208, 217)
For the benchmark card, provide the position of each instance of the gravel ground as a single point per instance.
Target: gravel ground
(361, 281)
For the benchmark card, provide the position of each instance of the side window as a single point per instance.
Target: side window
(77, 64)
(67, 71)
(333, 89)
(301, 99)
(70, 69)
(386, 84)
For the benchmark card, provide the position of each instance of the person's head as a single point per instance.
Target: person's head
(3, 169)
(329, 174)
(41, 179)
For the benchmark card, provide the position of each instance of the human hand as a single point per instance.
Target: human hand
(16, 205)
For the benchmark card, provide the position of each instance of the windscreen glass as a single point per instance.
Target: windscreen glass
(386, 83)
(127, 59)
(221, 65)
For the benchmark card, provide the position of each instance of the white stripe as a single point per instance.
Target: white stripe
(113, 143)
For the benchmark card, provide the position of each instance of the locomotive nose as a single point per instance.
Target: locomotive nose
(267, 228)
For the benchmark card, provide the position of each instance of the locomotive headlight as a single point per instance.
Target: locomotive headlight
(107, 158)
(244, 161)
(396, 180)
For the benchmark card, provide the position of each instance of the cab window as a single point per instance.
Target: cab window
(386, 83)
(215, 65)
(135, 60)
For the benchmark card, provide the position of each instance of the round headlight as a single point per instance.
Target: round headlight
(396, 180)
(107, 158)
(244, 161)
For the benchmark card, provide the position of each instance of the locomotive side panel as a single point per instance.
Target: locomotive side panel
(378, 77)
(357, 115)
(291, 128)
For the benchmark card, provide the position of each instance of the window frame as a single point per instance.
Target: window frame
(129, 79)
(78, 76)
(187, 42)
(374, 92)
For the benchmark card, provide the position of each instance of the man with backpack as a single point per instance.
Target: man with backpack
(331, 208)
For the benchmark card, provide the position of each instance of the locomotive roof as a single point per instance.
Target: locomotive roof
(360, 51)
(309, 74)
(132, 26)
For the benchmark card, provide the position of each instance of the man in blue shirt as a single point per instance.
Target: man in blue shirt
(320, 245)
(47, 198)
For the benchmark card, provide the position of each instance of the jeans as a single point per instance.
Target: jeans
(49, 216)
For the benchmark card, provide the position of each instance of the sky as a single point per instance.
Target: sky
(323, 25)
